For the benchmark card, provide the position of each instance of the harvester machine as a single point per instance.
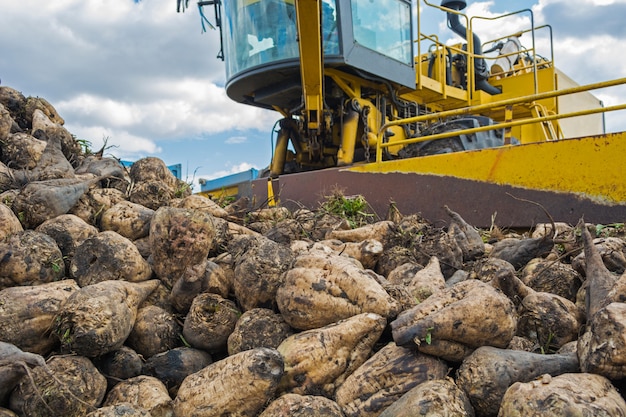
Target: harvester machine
(371, 105)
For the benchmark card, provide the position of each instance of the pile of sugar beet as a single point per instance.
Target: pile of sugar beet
(122, 294)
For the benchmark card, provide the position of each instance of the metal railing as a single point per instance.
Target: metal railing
(491, 106)
(469, 53)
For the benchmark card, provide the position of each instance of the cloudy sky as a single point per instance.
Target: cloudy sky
(146, 79)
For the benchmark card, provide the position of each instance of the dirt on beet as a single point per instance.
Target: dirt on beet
(123, 293)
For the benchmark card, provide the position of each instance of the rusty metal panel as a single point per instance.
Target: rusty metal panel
(479, 203)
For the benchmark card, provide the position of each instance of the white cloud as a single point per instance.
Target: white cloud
(586, 2)
(120, 143)
(481, 18)
(497, 28)
(144, 75)
(588, 59)
(578, 4)
(183, 108)
(66, 34)
(111, 112)
(236, 140)
(232, 169)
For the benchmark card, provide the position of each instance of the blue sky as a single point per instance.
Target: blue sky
(147, 80)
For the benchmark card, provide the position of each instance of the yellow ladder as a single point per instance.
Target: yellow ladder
(551, 128)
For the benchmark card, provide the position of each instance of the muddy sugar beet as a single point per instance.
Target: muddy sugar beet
(122, 293)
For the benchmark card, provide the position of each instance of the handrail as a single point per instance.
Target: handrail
(499, 104)
(534, 64)
(532, 31)
(469, 38)
(514, 123)
(469, 53)
(503, 103)
(442, 71)
(442, 50)
(520, 33)
(502, 125)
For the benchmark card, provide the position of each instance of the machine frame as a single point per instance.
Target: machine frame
(355, 108)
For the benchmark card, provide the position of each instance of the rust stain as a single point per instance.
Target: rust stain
(477, 202)
(494, 166)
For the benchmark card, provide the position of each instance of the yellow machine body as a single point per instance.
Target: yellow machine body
(365, 99)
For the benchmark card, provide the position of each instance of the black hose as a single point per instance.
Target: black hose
(449, 67)
(392, 92)
(431, 64)
(481, 72)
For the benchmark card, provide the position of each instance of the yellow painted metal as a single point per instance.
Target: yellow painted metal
(223, 192)
(396, 137)
(508, 116)
(248, 2)
(542, 119)
(308, 16)
(271, 199)
(502, 103)
(373, 122)
(349, 83)
(523, 85)
(591, 166)
(345, 154)
(280, 153)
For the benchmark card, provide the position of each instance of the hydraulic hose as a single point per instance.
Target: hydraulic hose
(481, 71)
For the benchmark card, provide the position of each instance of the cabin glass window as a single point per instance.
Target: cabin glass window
(383, 26)
(330, 27)
(258, 32)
